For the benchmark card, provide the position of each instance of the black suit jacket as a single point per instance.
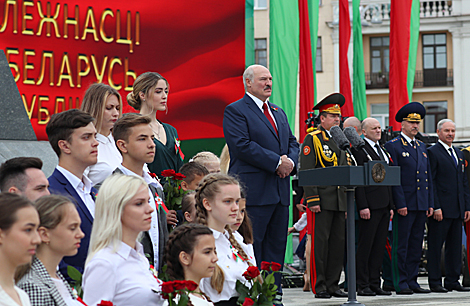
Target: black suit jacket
(372, 197)
(451, 193)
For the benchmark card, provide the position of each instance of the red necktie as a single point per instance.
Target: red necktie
(268, 115)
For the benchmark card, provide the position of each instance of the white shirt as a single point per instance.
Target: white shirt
(109, 158)
(64, 293)
(249, 247)
(447, 149)
(260, 103)
(233, 269)
(301, 223)
(6, 300)
(121, 277)
(153, 232)
(82, 187)
(380, 152)
(408, 138)
(196, 300)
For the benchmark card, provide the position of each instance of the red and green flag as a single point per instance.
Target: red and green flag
(404, 35)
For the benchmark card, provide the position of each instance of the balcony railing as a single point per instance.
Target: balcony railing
(378, 11)
(424, 78)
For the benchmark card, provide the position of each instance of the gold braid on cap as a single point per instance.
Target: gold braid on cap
(412, 117)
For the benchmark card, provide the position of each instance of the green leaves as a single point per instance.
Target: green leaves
(262, 293)
(76, 276)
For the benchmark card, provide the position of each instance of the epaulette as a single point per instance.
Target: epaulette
(394, 139)
(315, 132)
(467, 148)
(419, 141)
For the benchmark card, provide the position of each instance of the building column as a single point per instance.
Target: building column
(461, 67)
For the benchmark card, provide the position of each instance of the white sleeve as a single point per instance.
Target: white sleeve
(302, 223)
(99, 281)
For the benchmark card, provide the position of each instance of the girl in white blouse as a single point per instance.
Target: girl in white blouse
(60, 234)
(103, 103)
(190, 255)
(242, 229)
(217, 198)
(116, 269)
(19, 238)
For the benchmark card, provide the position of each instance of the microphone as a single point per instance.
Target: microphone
(357, 142)
(341, 140)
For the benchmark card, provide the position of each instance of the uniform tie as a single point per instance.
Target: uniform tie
(379, 152)
(453, 157)
(268, 115)
(413, 144)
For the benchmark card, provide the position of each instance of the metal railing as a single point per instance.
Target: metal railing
(423, 78)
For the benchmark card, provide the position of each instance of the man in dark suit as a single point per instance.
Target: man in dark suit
(413, 199)
(72, 137)
(375, 207)
(134, 138)
(451, 207)
(327, 204)
(263, 154)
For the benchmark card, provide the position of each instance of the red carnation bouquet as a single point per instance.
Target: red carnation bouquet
(180, 288)
(261, 293)
(172, 189)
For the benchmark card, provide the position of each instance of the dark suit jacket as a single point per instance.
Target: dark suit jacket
(58, 184)
(162, 230)
(450, 183)
(372, 197)
(415, 192)
(255, 150)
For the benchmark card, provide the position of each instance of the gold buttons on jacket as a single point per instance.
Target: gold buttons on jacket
(418, 188)
(417, 180)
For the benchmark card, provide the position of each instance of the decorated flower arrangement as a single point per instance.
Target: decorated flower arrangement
(172, 189)
(178, 288)
(261, 293)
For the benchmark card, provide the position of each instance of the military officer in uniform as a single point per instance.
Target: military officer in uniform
(413, 199)
(327, 204)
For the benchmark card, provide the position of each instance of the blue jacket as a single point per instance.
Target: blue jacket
(415, 191)
(450, 183)
(255, 150)
(58, 184)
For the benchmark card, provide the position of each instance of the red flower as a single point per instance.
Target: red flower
(105, 303)
(179, 285)
(168, 173)
(248, 302)
(251, 272)
(265, 266)
(275, 266)
(179, 176)
(191, 286)
(168, 287)
(153, 175)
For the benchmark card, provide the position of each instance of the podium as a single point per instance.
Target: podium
(372, 173)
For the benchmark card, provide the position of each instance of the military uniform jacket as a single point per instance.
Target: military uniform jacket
(319, 151)
(415, 191)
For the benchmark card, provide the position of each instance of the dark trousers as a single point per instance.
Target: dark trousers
(450, 231)
(371, 242)
(408, 233)
(387, 262)
(270, 234)
(327, 250)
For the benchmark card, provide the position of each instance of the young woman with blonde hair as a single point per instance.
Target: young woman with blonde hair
(149, 95)
(217, 200)
(116, 269)
(103, 103)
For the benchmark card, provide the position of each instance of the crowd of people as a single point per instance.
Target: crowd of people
(101, 215)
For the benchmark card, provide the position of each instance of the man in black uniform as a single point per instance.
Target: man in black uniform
(327, 204)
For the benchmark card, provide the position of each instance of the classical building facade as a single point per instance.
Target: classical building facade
(442, 77)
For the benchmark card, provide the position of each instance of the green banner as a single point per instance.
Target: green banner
(249, 34)
(313, 10)
(284, 66)
(413, 51)
(359, 79)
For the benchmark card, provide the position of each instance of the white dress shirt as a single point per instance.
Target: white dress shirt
(153, 232)
(247, 247)
(6, 300)
(109, 158)
(380, 152)
(82, 187)
(64, 293)
(233, 269)
(121, 277)
(447, 149)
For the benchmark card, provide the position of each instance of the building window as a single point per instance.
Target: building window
(261, 4)
(318, 65)
(435, 111)
(261, 52)
(434, 60)
(379, 51)
(380, 112)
